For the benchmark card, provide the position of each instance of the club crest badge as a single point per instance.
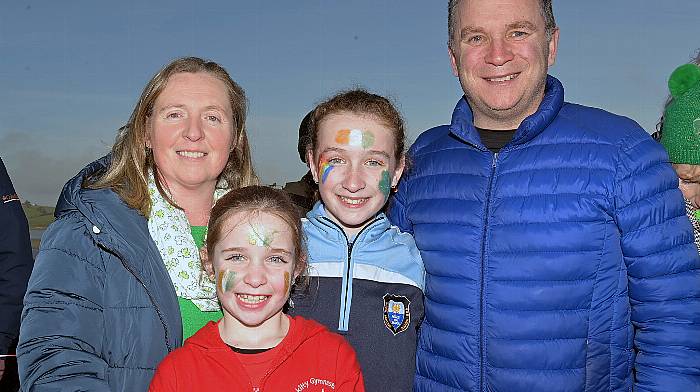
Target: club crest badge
(397, 313)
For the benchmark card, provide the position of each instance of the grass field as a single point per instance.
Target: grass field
(39, 217)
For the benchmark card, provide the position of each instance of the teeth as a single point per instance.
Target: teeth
(252, 299)
(191, 154)
(503, 79)
(353, 201)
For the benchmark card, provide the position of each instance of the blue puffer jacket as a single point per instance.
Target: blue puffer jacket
(563, 263)
(100, 312)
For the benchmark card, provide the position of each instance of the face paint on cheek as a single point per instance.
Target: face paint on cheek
(324, 170)
(385, 183)
(286, 282)
(226, 280)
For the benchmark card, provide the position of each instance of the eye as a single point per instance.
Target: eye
(519, 34)
(335, 161)
(174, 115)
(213, 118)
(374, 162)
(475, 39)
(235, 257)
(277, 259)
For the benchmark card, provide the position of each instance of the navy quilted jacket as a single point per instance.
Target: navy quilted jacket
(563, 263)
(100, 311)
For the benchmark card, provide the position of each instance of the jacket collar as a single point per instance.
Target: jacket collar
(333, 232)
(462, 125)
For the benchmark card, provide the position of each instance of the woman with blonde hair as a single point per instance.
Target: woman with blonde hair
(118, 275)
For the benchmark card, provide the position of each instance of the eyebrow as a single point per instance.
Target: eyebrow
(209, 107)
(521, 24)
(466, 30)
(242, 250)
(374, 152)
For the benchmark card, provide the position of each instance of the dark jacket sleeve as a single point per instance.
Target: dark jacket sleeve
(60, 342)
(663, 270)
(15, 260)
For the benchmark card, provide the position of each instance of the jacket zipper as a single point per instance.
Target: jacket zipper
(483, 267)
(344, 312)
(148, 292)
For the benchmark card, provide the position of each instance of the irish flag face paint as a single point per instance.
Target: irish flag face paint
(355, 138)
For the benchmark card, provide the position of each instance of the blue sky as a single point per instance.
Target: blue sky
(71, 71)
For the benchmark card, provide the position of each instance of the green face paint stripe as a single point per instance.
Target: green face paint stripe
(385, 183)
(367, 139)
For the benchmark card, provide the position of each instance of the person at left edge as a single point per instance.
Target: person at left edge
(101, 310)
(15, 263)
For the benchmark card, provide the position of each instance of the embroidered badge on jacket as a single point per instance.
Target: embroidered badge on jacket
(397, 313)
(9, 198)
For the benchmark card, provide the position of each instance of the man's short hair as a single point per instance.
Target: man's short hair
(545, 10)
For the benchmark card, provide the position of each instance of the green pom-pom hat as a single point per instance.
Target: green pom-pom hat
(681, 128)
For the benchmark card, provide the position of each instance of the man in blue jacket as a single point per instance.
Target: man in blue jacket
(554, 236)
(15, 265)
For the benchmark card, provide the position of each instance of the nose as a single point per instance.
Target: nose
(354, 180)
(255, 276)
(499, 52)
(194, 129)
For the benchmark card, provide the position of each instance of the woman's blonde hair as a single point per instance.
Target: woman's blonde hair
(131, 161)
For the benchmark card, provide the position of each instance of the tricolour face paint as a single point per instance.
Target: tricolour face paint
(226, 280)
(355, 138)
(259, 236)
(385, 183)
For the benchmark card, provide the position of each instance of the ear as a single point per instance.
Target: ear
(312, 164)
(453, 61)
(553, 45)
(206, 263)
(398, 171)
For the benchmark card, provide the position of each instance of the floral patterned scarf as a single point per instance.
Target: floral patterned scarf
(170, 230)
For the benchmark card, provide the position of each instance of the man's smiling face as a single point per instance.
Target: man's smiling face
(501, 53)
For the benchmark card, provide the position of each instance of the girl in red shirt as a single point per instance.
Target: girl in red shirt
(254, 252)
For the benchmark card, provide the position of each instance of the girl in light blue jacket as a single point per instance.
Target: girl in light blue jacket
(367, 277)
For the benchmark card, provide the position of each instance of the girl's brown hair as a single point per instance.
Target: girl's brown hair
(131, 161)
(256, 200)
(359, 102)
